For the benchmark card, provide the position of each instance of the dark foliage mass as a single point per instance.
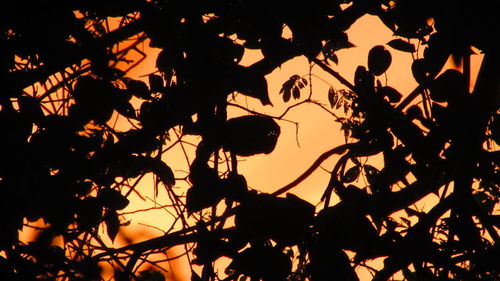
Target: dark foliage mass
(63, 163)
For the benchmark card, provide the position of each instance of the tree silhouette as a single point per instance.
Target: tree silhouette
(64, 163)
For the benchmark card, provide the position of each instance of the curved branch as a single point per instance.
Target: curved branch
(337, 150)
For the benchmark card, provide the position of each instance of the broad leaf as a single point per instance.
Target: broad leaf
(379, 60)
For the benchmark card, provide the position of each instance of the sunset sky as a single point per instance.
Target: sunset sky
(298, 146)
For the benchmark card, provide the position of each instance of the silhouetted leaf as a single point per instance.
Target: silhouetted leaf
(296, 92)
(112, 224)
(155, 83)
(333, 96)
(363, 79)
(89, 213)
(137, 88)
(249, 135)
(126, 109)
(203, 196)
(285, 220)
(209, 247)
(163, 171)
(345, 226)
(292, 87)
(112, 199)
(351, 175)
(287, 94)
(402, 45)
(392, 94)
(251, 84)
(419, 71)
(379, 60)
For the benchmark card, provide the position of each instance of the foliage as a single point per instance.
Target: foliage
(63, 163)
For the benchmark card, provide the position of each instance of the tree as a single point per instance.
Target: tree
(64, 164)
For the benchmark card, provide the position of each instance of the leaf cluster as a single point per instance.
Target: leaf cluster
(64, 164)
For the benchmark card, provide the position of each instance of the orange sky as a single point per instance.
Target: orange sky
(317, 131)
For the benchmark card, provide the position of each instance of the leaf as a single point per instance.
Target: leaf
(345, 225)
(287, 94)
(332, 97)
(203, 196)
(363, 79)
(402, 45)
(419, 71)
(112, 224)
(392, 94)
(163, 171)
(351, 175)
(285, 220)
(249, 135)
(379, 60)
(89, 213)
(251, 83)
(126, 109)
(112, 199)
(370, 170)
(296, 92)
(137, 88)
(155, 83)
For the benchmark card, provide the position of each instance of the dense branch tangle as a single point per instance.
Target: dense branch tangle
(78, 172)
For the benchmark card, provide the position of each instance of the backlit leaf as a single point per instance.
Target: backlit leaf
(333, 97)
(402, 45)
(351, 174)
(112, 224)
(379, 60)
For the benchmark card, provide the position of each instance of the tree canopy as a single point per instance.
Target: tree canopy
(64, 70)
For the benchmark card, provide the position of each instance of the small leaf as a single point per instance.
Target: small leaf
(137, 88)
(296, 92)
(112, 224)
(379, 60)
(126, 109)
(155, 82)
(392, 94)
(339, 103)
(287, 95)
(419, 71)
(351, 174)
(112, 199)
(332, 97)
(402, 45)
(370, 170)
(202, 196)
(163, 171)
